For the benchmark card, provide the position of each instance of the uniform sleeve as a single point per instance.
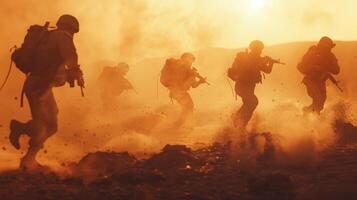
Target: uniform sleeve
(190, 79)
(265, 65)
(334, 68)
(68, 50)
(127, 85)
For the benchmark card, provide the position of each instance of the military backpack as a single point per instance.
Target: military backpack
(24, 57)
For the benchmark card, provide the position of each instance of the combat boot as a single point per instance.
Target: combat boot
(311, 110)
(31, 165)
(307, 109)
(17, 129)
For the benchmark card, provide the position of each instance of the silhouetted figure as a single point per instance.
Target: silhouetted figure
(112, 84)
(55, 62)
(247, 71)
(317, 66)
(179, 77)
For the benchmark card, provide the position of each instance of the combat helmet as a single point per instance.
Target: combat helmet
(188, 56)
(68, 21)
(326, 42)
(256, 45)
(122, 68)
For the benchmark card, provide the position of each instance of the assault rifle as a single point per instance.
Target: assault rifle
(334, 81)
(274, 61)
(202, 79)
(76, 75)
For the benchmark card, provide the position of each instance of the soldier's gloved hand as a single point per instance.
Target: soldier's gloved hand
(202, 80)
(268, 59)
(73, 75)
(80, 79)
(80, 82)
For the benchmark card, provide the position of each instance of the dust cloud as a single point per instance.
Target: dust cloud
(144, 34)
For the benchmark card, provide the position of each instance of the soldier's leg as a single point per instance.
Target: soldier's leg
(250, 103)
(311, 91)
(41, 127)
(320, 98)
(18, 128)
(245, 113)
(187, 109)
(186, 103)
(317, 92)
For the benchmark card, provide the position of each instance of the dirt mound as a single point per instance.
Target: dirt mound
(177, 172)
(213, 172)
(172, 157)
(102, 164)
(346, 132)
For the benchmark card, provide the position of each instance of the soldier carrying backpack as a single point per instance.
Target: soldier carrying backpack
(49, 59)
(112, 83)
(317, 66)
(247, 71)
(178, 76)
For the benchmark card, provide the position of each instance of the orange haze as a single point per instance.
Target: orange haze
(144, 33)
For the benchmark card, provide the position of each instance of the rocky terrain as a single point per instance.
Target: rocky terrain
(213, 172)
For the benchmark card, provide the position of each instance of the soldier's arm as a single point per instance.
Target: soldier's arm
(195, 83)
(69, 55)
(266, 65)
(68, 50)
(127, 85)
(334, 68)
(190, 81)
(194, 75)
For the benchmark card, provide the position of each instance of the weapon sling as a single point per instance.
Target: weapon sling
(9, 71)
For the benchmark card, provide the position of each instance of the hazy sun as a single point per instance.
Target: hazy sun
(257, 4)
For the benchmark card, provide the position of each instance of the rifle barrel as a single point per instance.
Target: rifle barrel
(274, 61)
(82, 92)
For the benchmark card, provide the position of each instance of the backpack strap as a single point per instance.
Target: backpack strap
(22, 96)
(23, 92)
(7, 76)
(10, 68)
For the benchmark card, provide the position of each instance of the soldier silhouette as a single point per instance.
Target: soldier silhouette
(55, 62)
(179, 77)
(112, 83)
(247, 71)
(317, 66)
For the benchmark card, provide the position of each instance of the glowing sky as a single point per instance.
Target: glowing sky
(277, 21)
(234, 23)
(157, 27)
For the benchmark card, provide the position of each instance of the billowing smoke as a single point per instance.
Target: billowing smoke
(144, 33)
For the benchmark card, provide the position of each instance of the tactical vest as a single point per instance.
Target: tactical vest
(244, 69)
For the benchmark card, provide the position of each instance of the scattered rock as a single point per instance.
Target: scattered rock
(103, 164)
(178, 172)
(172, 157)
(346, 132)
